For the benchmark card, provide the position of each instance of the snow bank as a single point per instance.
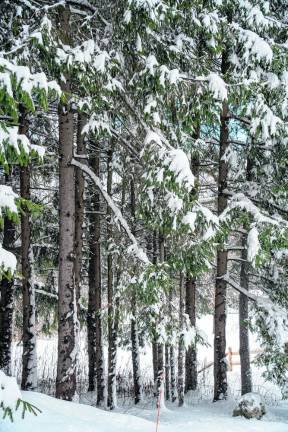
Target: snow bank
(62, 416)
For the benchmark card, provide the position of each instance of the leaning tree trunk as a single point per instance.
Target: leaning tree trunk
(29, 357)
(220, 369)
(6, 301)
(67, 309)
(191, 353)
(94, 319)
(181, 346)
(246, 379)
(167, 373)
(79, 209)
(134, 322)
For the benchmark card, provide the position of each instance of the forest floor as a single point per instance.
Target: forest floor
(60, 416)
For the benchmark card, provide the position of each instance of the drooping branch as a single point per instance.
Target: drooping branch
(134, 248)
(238, 288)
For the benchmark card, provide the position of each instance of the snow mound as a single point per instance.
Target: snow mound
(250, 406)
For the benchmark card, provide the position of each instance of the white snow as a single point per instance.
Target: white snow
(217, 86)
(62, 416)
(253, 245)
(7, 260)
(9, 393)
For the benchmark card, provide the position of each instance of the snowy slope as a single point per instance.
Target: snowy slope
(60, 416)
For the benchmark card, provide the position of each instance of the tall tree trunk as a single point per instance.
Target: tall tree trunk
(246, 378)
(94, 319)
(173, 374)
(246, 383)
(191, 353)
(220, 369)
(134, 322)
(112, 308)
(7, 300)
(167, 372)
(67, 309)
(160, 345)
(29, 356)
(79, 209)
(154, 342)
(181, 346)
(190, 298)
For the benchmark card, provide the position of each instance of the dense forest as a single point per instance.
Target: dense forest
(143, 185)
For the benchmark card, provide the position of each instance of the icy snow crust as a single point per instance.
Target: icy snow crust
(61, 416)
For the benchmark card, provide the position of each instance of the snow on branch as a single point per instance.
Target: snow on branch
(134, 248)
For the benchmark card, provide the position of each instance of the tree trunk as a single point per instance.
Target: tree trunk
(134, 322)
(167, 372)
(246, 378)
(173, 375)
(6, 301)
(94, 319)
(29, 356)
(67, 309)
(160, 345)
(181, 346)
(220, 369)
(112, 308)
(191, 353)
(246, 384)
(79, 209)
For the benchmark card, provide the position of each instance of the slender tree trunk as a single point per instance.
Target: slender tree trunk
(220, 369)
(134, 322)
(79, 209)
(246, 383)
(160, 345)
(67, 310)
(154, 342)
(246, 378)
(191, 353)
(7, 301)
(112, 308)
(181, 346)
(167, 372)
(190, 298)
(29, 356)
(173, 374)
(94, 319)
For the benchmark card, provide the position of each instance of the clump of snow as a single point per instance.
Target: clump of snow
(253, 245)
(7, 260)
(177, 162)
(250, 406)
(7, 199)
(217, 86)
(9, 392)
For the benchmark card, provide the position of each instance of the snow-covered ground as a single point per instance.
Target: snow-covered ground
(60, 416)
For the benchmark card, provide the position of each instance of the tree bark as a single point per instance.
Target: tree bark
(94, 319)
(220, 369)
(246, 377)
(160, 345)
(181, 346)
(29, 356)
(67, 309)
(167, 372)
(191, 353)
(173, 374)
(7, 301)
(79, 209)
(134, 322)
(112, 307)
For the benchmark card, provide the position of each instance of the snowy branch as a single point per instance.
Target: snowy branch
(134, 248)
